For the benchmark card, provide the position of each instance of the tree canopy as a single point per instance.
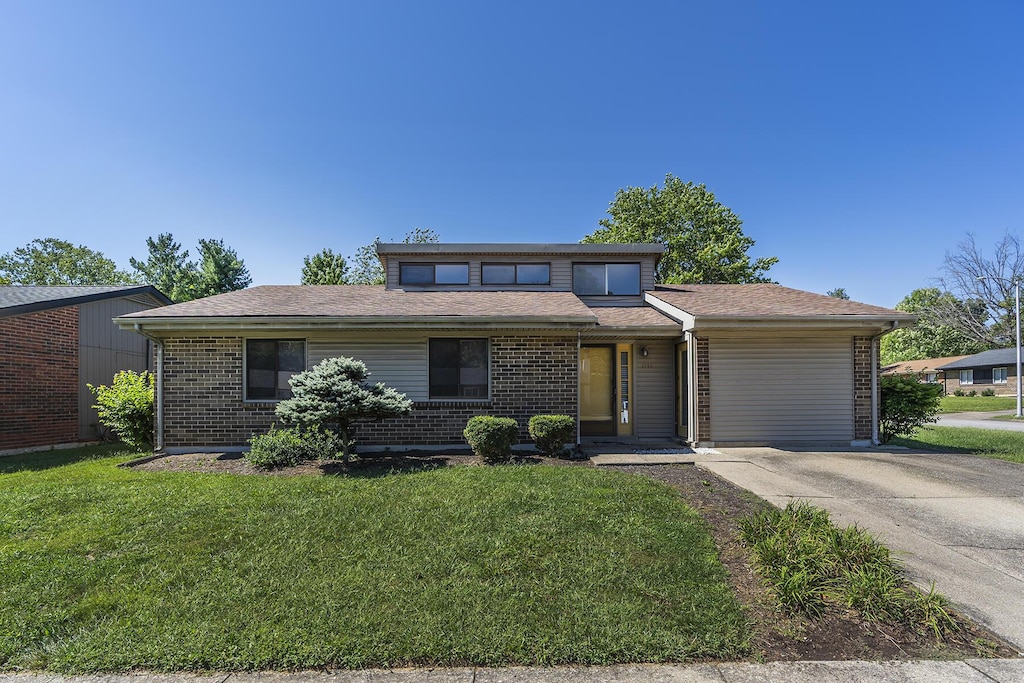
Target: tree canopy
(704, 239)
(167, 267)
(324, 268)
(364, 268)
(51, 261)
(838, 293)
(929, 338)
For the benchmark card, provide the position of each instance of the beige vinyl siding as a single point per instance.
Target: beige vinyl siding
(798, 389)
(654, 389)
(104, 350)
(401, 365)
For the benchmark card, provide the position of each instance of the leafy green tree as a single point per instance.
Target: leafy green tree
(325, 268)
(906, 403)
(838, 293)
(167, 268)
(334, 394)
(704, 239)
(367, 268)
(930, 337)
(51, 261)
(220, 270)
(126, 407)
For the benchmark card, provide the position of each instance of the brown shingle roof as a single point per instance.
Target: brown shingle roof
(355, 301)
(915, 366)
(764, 300)
(632, 316)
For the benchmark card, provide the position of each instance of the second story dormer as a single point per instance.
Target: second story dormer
(600, 274)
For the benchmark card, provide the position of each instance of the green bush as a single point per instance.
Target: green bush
(492, 438)
(126, 407)
(552, 432)
(321, 444)
(972, 392)
(959, 392)
(276, 448)
(988, 392)
(906, 405)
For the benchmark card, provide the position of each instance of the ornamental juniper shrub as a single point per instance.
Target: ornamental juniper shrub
(552, 432)
(906, 405)
(276, 448)
(126, 407)
(492, 438)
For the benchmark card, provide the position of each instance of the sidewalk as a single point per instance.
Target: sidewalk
(980, 670)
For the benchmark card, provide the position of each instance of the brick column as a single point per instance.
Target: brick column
(702, 390)
(862, 386)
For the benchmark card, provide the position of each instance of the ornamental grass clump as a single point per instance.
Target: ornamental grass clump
(551, 433)
(492, 438)
(334, 395)
(812, 566)
(126, 407)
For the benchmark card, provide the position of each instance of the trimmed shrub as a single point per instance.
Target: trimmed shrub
(491, 438)
(959, 392)
(126, 407)
(552, 432)
(906, 405)
(972, 393)
(988, 392)
(321, 444)
(276, 448)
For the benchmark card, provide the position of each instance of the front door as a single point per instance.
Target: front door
(597, 391)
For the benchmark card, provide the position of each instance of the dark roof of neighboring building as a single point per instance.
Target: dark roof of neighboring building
(19, 299)
(908, 367)
(764, 300)
(993, 357)
(374, 302)
(387, 248)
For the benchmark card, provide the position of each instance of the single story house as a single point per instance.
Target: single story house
(994, 369)
(523, 329)
(55, 340)
(927, 370)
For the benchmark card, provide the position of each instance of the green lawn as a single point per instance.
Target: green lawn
(976, 404)
(990, 443)
(108, 569)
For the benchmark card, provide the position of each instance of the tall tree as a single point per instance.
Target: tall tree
(704, 239)
(51, 261)
(929, 338)
(838, 293)
(367, 268)
(325, 268)
(167, 267)
(986, 286)
(220, 269)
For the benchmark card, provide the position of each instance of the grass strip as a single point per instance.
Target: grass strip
(989, 443)
(976, 404)
(111, 569)
(813, 566)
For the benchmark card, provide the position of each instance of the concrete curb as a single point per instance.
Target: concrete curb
(980, 670)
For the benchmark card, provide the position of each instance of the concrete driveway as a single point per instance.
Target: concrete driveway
(956, 520)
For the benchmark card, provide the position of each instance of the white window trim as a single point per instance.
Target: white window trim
(931, 378)
(999, 381)
(970, 377)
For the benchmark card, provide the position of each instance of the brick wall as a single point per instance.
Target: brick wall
(952, 383)
(39, 376)
(203, 394)
(862, 386)
(703, 390)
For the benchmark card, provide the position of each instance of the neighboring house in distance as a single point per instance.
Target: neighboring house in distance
(523, 329)
(994, 369)
(54, 341)
(927, 370)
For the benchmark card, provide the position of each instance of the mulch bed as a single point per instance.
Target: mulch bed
(777, 635)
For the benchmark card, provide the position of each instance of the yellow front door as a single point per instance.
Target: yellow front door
(597, 390)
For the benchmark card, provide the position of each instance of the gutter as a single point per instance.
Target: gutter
(875, 392)
(158, 440)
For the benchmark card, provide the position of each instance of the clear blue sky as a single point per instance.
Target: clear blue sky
(857, 141)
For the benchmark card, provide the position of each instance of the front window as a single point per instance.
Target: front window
(999, 375)
(606, 279)
(459, 368)
(433, 273)
(515, 273)
(269, 364)
(967, 377)
(931, 377)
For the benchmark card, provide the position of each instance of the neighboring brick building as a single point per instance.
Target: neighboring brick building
(995, 369)
(523, 329)
(54, 340)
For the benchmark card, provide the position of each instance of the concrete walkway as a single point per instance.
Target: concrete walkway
(969, 671)
(957, 520)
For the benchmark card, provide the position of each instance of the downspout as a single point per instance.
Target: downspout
(875, 441)
(158, 441)
(579, 350)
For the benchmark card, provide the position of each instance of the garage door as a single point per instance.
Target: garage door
(781, 389)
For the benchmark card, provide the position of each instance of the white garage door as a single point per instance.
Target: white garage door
(781, 389)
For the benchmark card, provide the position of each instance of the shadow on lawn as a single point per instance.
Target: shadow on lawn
(44, 460)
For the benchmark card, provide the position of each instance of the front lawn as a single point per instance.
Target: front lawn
(991, 443)
(976, 404)
(109, 569)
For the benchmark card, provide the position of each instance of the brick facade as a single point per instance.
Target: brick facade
(862, 386)
(203, 403)
(703, 390)
(1009, 388)
(39, 375)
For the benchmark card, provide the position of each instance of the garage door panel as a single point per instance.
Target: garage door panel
(781, 389)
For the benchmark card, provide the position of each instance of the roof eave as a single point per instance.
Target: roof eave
(35, 307)
(154, 324)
